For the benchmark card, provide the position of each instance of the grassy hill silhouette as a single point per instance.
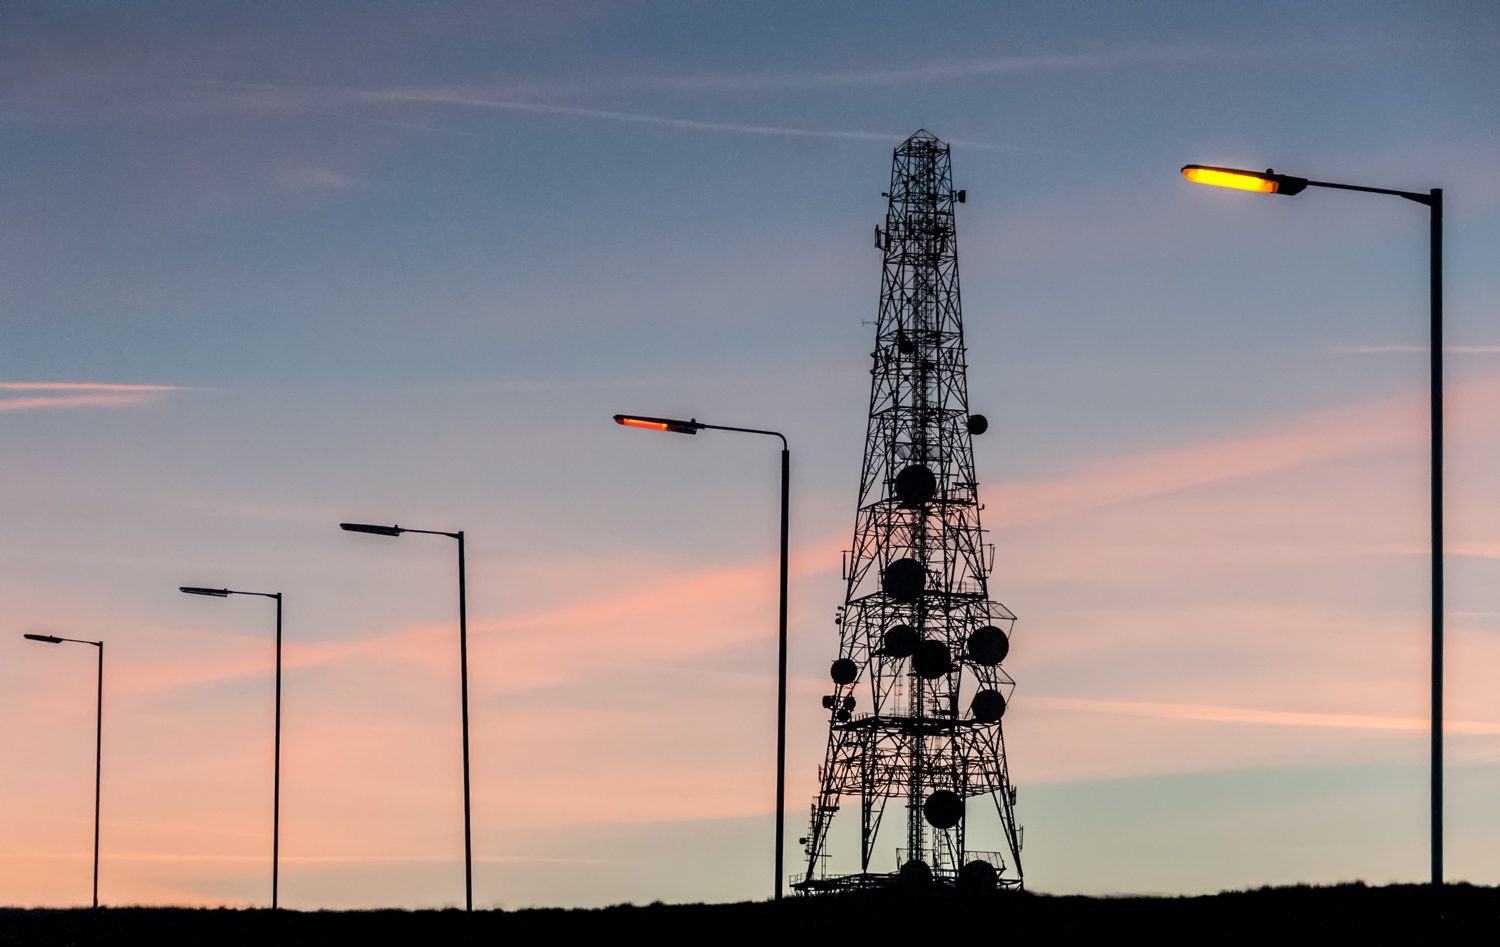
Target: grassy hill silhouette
(1279, 914)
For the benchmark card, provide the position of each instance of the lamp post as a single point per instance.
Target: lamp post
(463, 674)
(98, 740)
(1272, 183)
(276, 766)
(693, 426)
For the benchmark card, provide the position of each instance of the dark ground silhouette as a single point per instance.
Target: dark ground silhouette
(1335, 914)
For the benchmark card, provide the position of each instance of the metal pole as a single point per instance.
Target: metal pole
(693, 426)
(781, 678)
(1434, 201)
(463, 671)
(98, 760)
(276, 787)
(1435, 357)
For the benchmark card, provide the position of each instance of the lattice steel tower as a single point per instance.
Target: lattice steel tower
(918, 690)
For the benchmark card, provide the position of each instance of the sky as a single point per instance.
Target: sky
(267, 267)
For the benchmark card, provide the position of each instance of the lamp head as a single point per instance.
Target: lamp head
(370, 528)
(1268, 183)
(660, 424)
(50, 639)
(194, 590)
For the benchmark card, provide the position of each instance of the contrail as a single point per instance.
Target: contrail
(439, 97)
(79, 386)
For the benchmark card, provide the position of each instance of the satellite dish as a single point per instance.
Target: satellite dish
(978, 424)
(914, 874)
(900, 641)
(827, 701)
(988, 706)
(905, 345)
(931, 660)
(904, 580)
(915, 485)
(978, 876)
(943, 809)
(843, 671)
(844, 716)
(988, 646)
(849, 702)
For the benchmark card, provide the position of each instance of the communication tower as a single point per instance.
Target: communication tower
(918, 691)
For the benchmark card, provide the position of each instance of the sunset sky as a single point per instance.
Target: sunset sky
(265, 267)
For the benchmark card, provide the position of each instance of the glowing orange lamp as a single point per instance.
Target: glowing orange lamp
(1268, 183)
(661, 424)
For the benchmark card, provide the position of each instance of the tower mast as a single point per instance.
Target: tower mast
(918, 690)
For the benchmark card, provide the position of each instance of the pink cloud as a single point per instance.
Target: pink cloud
(1388, 349)
(1325, 435)
(76, 401)
(1210, 713)
(541, 648)
(100, 394)
(661, 619)
(1318, 436)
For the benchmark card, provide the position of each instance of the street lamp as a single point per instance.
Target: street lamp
(693, 426)
(463, 673)
(1272, 183)
(276, 777)
(98, 740)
